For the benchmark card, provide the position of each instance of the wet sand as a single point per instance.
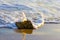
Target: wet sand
(47, 32)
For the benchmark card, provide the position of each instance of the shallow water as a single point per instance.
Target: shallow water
(47, 32)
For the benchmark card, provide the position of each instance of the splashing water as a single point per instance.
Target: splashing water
(8, 19)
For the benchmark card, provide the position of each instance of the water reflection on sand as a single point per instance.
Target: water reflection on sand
(47, 32)
(24, 32)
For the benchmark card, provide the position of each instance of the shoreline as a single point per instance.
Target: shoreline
(52, 22)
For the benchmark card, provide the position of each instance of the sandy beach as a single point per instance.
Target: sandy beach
(47, 32)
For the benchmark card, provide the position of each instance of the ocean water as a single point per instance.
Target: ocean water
(46, 32)
(50, 9)
(9, 18)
